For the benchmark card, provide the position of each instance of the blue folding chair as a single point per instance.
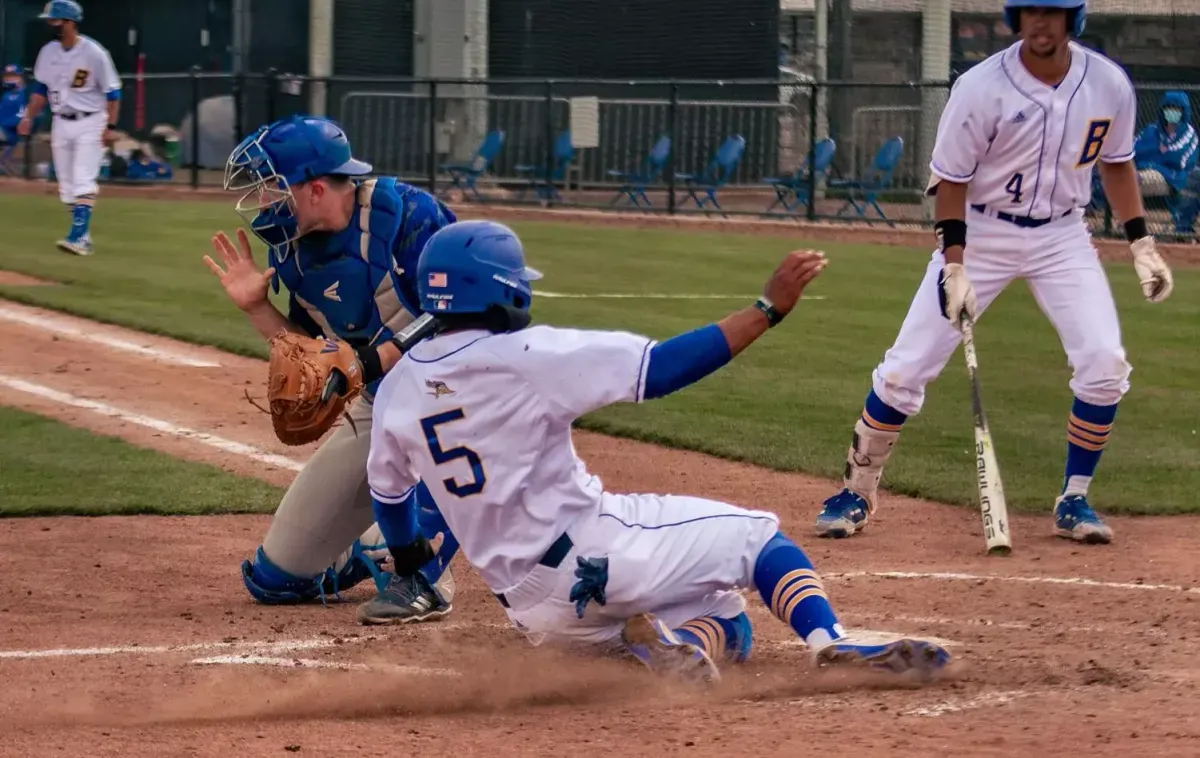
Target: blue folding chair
(547, 188)
(792, 192)
(464, 175)
(864, 192)
(716, 174)
(634, 183)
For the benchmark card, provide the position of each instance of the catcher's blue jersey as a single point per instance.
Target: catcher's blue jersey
(359, 284)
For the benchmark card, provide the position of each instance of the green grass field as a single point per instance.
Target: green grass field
(111, 476)
(787, 403)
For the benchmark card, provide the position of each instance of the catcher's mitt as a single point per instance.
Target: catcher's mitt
(302, 407)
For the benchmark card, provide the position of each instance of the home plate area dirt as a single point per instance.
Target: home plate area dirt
(133, 636)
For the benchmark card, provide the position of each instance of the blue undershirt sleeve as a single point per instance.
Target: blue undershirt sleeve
(685, 359)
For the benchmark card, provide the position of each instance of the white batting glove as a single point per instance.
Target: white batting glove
(1152, 270)
(956, 296)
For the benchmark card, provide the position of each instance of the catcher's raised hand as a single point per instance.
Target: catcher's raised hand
(244, 283)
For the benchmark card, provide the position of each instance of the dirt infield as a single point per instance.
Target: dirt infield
(133, 636)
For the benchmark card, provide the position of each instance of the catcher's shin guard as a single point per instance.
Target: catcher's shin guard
(271, 585)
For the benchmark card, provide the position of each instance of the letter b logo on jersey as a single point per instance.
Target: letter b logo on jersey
(80, 79)
(1093, 141)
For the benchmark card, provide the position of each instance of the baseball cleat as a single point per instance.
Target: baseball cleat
(78, 247)
(407, 600)
(1075, 520)
(654, 644)
(896, 657)
(842, 515)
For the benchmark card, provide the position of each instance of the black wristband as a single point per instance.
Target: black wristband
(951, 232)
(372, 367)
(1135, 229)
(408, 559)
(768, 309)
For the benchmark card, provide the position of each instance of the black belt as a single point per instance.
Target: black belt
(1025, 222)
(76, 116)
(552, 558)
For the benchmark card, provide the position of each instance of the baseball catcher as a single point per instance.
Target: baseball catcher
(345, 247)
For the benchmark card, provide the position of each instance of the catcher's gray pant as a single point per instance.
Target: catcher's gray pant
(328, 505)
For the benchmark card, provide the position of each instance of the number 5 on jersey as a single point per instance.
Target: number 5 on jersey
(429, 425)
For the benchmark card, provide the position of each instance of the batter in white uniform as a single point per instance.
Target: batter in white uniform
(482, 415)
(1012, 169)
(76, 75)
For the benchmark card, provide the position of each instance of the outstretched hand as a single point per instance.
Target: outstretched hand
(792, 276)
(244, 283)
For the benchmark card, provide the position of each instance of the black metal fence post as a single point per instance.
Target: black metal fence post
(811, 210)
(272, 84)
(549, 157)
(239, 106)
(673, 130)
(432, 156)
(195, 72)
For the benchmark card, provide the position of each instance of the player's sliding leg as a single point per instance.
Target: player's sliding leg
(426, 595)
(1073, 291)
(694, 650)
(791, 588)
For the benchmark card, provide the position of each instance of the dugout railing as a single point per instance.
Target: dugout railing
(413, 127)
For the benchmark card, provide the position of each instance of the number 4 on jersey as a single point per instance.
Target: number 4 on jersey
(1013, 187)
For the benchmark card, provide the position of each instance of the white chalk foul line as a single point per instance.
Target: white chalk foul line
(1077, 581)
(649, 296)
(308, 663)
(267, 646)
(61, 326)
(158, 425)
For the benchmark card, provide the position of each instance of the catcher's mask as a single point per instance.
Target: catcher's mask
(473, 267)
(277, 157)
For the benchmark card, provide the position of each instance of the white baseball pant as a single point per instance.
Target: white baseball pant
(677, 557)
(1064, 273)
(77, 148)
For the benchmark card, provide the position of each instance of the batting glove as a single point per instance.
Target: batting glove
(956, 296)
(1152, 270)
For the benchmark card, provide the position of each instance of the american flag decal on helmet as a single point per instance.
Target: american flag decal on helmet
(437, 280)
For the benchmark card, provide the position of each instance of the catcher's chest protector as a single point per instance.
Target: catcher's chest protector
(357, 293)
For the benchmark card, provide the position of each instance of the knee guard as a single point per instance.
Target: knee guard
(271, 585)
(869, 451)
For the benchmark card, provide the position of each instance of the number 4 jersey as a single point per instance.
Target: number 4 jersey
(1028, 148)
(485, 421)
(78, 80)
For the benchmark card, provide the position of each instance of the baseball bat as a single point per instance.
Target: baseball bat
(992, 504)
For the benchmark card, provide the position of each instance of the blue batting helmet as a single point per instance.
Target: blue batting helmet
(13, 68)
(1075, 21)
(278, 156)
(470, 266)
(66, 10)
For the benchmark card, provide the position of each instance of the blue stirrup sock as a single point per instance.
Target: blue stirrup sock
(722, 639)
(81, 218)
(880, 416)
(1087, 432)
(791, 588)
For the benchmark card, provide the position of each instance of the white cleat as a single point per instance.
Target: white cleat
(79, 247)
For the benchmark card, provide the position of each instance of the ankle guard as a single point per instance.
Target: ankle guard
(869, 451)
(271, 585)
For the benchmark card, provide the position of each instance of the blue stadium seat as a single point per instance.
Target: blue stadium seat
(792, 192)
(716, 174)
(863, 193)
(546, 188)
(634, 183)
(464, 175)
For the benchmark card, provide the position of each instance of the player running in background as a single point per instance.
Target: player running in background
(75, 74)
(1013, 163)
(482, 414)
